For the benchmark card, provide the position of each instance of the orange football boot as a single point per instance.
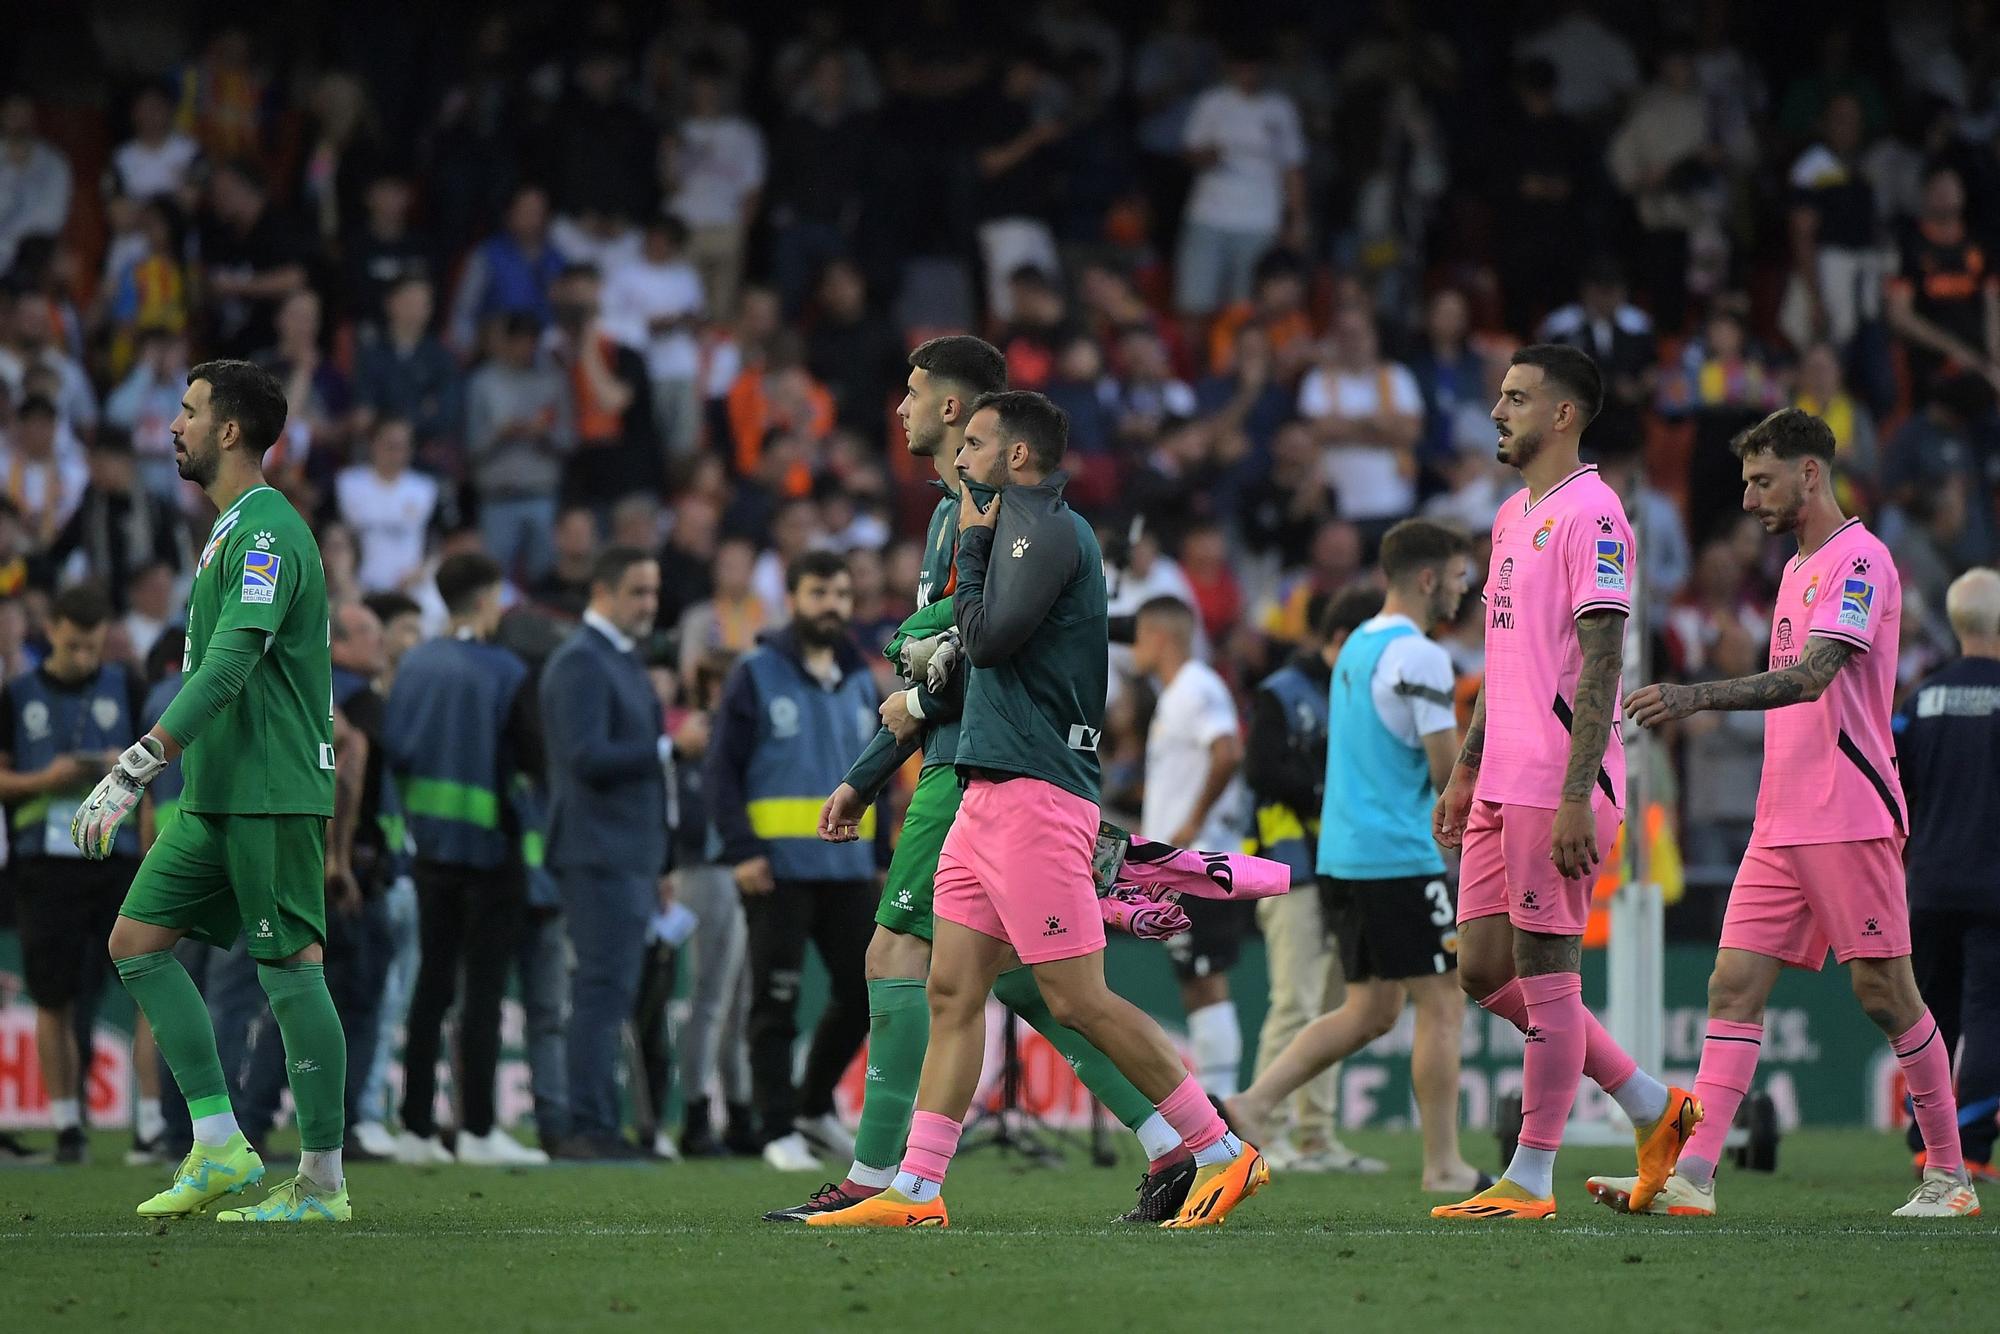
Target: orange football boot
(1220, 1187)
(888, 1209)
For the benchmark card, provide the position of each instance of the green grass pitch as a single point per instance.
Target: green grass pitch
(1031, 1251)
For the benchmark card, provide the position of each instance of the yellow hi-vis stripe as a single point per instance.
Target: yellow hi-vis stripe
(796, 817)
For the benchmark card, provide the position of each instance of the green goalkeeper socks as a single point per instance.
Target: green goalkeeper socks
(315, 1051)
(166, 995)
(1016, 990)
(899, 1029)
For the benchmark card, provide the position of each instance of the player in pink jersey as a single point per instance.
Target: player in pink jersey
(1825, 865)
(1536, 792)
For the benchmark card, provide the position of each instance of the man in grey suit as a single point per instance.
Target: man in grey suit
(608, 835)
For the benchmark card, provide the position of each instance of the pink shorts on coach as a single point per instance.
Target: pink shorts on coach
(1506, 868)
(1016, 866)
(1794, 903)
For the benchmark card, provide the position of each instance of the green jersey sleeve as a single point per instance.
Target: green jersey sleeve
(261, 570)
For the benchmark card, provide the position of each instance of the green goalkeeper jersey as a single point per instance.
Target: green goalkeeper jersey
(270, 750)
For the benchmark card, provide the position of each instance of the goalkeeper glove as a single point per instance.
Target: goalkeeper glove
(1128, 908)
(95, 825)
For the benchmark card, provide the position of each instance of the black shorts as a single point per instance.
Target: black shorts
(1214, 939)
(1388, 930)
(66, 908)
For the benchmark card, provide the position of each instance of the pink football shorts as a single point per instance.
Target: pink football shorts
(1794, 903)
(1506, 868)
(1016, 866)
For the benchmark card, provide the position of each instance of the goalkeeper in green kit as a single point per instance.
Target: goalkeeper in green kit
(253, 725)
(946, 375)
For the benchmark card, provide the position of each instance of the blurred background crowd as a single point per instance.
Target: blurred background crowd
(553, 277)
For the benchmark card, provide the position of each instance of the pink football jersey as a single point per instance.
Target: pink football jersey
(1829, 763)
(1569, 553)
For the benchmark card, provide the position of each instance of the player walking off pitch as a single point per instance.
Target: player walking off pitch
(1536, 792)
(1014, 877)
(1825, 865)
(253, 726)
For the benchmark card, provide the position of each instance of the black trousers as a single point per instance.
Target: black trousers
(837, 917)
(467, 918)
(1956, 956)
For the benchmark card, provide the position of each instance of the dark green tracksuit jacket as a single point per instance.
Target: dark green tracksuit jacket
(1030, 610)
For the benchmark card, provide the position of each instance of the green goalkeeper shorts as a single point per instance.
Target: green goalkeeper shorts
(215, 876)
(906, 895)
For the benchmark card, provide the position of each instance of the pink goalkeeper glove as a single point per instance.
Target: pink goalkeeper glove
(1149, 919)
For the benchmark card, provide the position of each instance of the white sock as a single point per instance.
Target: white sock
(1217, 1038)
(1156, 1137)
(1533, 1170)
(147, 1121)
(66, 1112)
(1642, 1098)
(1223, 1150)
(913, 1187)
(322, 1169)
(861, 1174)
(215, 1130)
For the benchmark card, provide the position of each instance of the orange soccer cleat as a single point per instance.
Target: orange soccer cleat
(888, 1209)
(1660, 1147)
(1499, 1202)
(1220, 1187)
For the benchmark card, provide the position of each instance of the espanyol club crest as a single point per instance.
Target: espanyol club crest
(1544, 533)
(1811, 595)
(104, 712)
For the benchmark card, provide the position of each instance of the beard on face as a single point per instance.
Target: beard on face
(926, 437)
(822, 631)
(1520, 449)
(201, 460)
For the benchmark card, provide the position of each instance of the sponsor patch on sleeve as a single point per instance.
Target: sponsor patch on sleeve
(1611, 563)
(1857, 599)
(260, 576)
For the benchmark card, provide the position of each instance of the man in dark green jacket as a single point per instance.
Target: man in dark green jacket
(1015, 877)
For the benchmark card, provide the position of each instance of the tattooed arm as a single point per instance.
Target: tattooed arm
(1805, 680)
(1601, 636)
(1454, 804)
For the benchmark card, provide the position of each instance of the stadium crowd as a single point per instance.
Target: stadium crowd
(559, 281)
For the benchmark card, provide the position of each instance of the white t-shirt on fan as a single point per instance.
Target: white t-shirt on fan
(1195, 709)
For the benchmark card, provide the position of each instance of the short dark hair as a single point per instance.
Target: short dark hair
(1031, 417)
(389, 605)
(1419, 544)
(1569, 368)
(462, 578)
(1347, 612)
(81, 605)
(1788, 433)
(608, 570)
(36, 405)
(1172, 610)
(248, 395)
(166, 654)
(813, 565)
(971, 363)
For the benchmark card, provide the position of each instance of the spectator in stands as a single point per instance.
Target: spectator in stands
(510, 272)
(1015, 164)
(1926, 550)
(34, 180)
(1248, 151)
(1942, 443)
(1150, 397)
(158, 161)
(1944, 300)
(653, 304)
(383, 251)
(144, 407)
(774, 398)
(1664, 556)
(402, 369)
(1619, 338)
(1453, 378)
(600, 145)
(713, 168)
(1722, 755)
(1038, 330)
(44, 477)
(225, 97)
(1664, 158)
(1594, 64)
(1822, 392)
(823, 157)
(518, 431)
(1811, 91)
(733, 616)
(1218, 597)
(687, 559)
(317, 394)
(1174, 62)
(795, 530)
(252, 259)
(851, 349)
(390, 507)
(610, 400)
(1367, 414)
(145, 281)
(1716, 601)
(1838, 260)
(565, 589)
(345, 154)
(1542, 176)
(1281, 512)
(118, 526)
(1243, 410)
(150, 609)
(39, 345)
(1333, 562)
(1276, 306)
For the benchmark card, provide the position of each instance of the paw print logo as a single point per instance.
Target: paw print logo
(1528, 899)
(1861, 565)
(1020, 547)
(1055, 922)
(1056, 928)
(1871, 927)
(265, 539)
(1604, 524)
